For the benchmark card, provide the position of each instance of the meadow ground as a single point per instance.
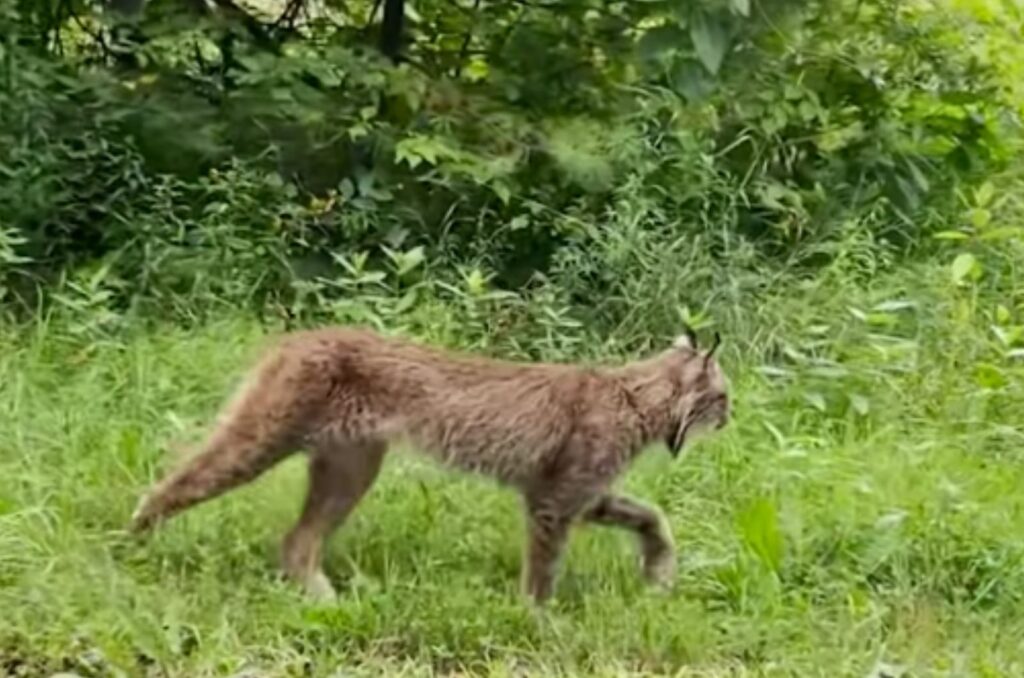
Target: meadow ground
(863, 513)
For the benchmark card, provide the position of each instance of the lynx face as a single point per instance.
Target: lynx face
(705, 406)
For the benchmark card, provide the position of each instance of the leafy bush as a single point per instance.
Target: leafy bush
(589, 156)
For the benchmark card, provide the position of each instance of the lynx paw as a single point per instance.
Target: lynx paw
(660, 570)
(142, 519)
(318, 587)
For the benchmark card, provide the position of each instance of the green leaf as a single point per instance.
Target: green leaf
(1010, 335)
(476, 282)
(711, 41)
(476, 70)
(963, 266)
(987, 375)
(909, 192)
(741, 7)
(519, 222)
(832, 140)
(894, 305)
(1003, 233)
(881, 319)
(407, 261)
(660, 41)
(980, 217)
(1002, 315)
(502, 190)
(419, 148)
(860, 404)
(758, 524)
(983, 194)
(815, 400)
(407, 302)
(919, 178)
(690, 80)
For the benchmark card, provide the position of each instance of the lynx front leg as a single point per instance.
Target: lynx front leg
(548, 532)
(550, 510)
(339, 476)
(648, 524)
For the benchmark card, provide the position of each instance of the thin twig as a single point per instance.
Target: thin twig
(373, 13)
(97, 37)
(290, 14)
(465, 40)
(200, 61)
(63, 8)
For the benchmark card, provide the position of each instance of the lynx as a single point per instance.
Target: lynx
(560, 434)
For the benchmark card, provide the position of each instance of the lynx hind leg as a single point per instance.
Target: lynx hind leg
(656, 544)
(339, 476)
(264, 424)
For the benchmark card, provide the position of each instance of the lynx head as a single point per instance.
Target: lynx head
(704, 402)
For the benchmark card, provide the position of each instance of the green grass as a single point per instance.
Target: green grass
(818, 535)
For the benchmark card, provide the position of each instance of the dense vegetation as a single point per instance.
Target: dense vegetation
(834, 184)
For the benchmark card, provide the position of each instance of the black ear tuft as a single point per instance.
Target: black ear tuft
(714, 347)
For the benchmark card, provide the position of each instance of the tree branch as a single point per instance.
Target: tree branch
(290, 15)
(97, 36)
(464, 51)
(391, 29)
(373, 13)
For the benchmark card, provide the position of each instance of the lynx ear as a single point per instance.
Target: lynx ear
(688, 339)
(714, 347)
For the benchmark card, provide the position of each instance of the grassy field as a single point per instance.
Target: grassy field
(863, 514)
